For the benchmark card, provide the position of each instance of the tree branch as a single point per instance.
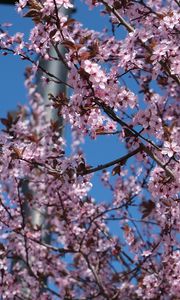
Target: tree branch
(25, 57)
(130, 29)
(122, 21)
(132, 132)
(149, 152)
(120, 160)
(109, 111)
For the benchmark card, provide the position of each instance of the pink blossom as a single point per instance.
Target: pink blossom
(170, 148)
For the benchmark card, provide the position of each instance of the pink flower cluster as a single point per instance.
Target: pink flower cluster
(97, 76)
(56, 240)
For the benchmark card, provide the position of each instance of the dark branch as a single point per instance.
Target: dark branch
(120, 160)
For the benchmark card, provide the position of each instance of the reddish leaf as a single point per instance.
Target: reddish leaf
(116, 170)
(146, 208)
(68, 22)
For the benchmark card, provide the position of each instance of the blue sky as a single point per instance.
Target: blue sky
(12, 68)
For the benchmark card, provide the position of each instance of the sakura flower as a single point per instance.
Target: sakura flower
(59, 3)
(20, 5)
(65, 3)
(97, 76)
(170, 148)
(146, 253)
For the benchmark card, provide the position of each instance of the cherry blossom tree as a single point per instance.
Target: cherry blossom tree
(84, 259)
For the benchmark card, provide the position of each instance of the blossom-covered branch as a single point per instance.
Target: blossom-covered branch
(123, 85)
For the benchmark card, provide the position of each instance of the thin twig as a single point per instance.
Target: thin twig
(25, 57)
(102, 288)
(158, 161)
(6, 209)
(122, 21)
(132, 132)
